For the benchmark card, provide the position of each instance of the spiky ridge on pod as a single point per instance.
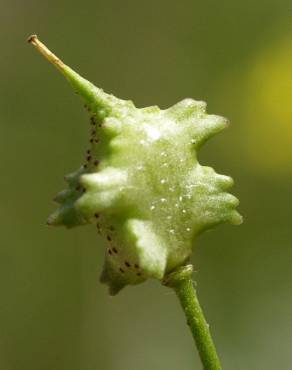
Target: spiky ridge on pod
(142, 185)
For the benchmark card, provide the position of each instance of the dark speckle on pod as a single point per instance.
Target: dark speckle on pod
(115, 250)
(136, 266)
(127, 264)
(96, 162)
(96, 215)
(109, 238)
(122, 271)
(88, 158)
(110, 252)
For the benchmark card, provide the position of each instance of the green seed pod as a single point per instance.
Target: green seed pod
(142, 184)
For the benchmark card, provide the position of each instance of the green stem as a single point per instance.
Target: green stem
(181, 281)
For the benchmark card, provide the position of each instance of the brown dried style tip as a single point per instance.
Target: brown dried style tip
(31, 39)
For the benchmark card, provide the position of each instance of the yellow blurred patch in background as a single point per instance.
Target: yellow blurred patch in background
(268, 119)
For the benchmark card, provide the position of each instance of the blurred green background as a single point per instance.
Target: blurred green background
(237, 56)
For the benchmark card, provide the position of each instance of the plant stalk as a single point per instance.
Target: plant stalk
(181, 281)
